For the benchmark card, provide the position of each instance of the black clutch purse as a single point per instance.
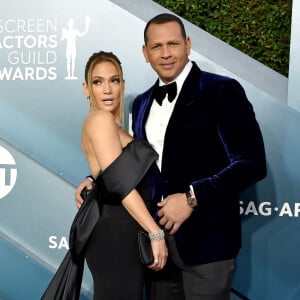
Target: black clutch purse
(145, 248)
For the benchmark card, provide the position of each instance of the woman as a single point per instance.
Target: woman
(112, 252)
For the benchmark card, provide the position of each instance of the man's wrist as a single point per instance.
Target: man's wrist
(191, 199)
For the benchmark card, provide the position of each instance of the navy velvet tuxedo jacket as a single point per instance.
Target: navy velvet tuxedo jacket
(213, 142)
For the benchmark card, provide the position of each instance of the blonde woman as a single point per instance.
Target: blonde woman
(112, 251)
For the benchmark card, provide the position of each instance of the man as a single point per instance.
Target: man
(210, 149)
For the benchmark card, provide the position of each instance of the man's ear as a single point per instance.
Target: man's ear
(188, 45)
(145, 52)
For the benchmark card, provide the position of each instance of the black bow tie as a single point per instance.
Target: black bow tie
(161, 91)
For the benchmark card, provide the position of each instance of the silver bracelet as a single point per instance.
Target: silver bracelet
(157, 236)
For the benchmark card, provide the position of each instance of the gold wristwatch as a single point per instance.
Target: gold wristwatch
(191, 200)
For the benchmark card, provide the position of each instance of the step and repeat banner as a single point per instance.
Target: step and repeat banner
(43, 50)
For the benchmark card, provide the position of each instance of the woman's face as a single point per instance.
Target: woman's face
(106, 87)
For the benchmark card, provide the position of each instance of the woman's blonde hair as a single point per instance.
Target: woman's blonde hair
(99, 57)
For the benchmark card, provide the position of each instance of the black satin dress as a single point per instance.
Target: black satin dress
(105, 234)
(112, 250)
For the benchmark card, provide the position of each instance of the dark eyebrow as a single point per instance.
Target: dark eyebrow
(101, 77)
(154, 44)
(169, 42)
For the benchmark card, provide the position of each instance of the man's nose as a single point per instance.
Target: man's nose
(166, 52)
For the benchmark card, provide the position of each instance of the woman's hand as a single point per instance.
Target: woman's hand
(160, 253)
(86, 183)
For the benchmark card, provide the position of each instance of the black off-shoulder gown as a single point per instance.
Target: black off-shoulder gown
(105, 234)
(112, 250)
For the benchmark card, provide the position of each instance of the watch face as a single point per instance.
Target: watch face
(192, 201)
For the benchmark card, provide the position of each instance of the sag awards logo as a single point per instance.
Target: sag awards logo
(267, 209)
(8, 172)
(30, 48)
(56, 242)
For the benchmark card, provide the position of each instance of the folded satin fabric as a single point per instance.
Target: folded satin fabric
(125, 172)
(66, 282)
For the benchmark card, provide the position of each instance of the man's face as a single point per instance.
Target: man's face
(166, 50)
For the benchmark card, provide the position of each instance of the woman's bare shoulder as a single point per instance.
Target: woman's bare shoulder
(99, 115)
(99, 119)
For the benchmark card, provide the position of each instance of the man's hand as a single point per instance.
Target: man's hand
(174, 211)
(86, 183)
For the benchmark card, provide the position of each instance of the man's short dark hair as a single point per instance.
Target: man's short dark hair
(162, 19)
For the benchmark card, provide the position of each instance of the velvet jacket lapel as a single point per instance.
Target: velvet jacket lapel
(191, 91)
(141, 117)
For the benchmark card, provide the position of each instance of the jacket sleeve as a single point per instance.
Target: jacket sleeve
(242, 139)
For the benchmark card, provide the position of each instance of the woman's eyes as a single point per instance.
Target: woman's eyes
(99, 82)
